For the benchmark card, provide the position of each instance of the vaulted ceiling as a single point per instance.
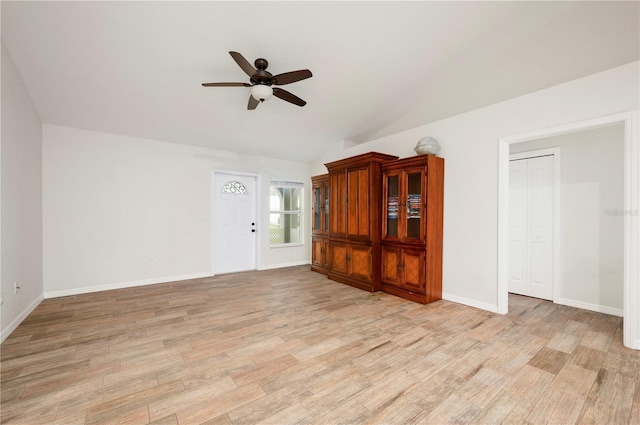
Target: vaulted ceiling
(136, 68)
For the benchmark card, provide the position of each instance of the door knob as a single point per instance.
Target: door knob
(253, 230)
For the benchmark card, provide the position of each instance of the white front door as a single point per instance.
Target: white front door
(531, 209)
(235, 226)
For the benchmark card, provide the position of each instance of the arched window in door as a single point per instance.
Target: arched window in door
(235, 187)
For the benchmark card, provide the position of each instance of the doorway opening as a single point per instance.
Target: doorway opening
(628, 212)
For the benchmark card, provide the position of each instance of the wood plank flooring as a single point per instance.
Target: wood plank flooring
(289, 346)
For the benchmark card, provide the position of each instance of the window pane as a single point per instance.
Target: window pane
(287, 199)
(275, 199)
(276, 231)
(290, 198)
(284, 228)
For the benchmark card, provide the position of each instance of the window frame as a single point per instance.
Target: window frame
(282, 212)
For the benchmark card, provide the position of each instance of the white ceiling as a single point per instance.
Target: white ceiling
(135, 68)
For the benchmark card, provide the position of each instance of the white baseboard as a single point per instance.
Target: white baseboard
(131, 284)
(470, 302)
(16, 322)
(588, 306)
(562, 301)
(121, 285)
(282, 265)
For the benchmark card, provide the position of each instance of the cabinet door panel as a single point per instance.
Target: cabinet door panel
(338, 198)
(413, 261)
(363, 203)
(326, 253)
(360, 261)
(352, 203)
(317, 246)
(338, 252)
(390, 265)
(358, 211)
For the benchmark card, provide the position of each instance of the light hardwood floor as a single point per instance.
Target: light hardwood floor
(289, 346)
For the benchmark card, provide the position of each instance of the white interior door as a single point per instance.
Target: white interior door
(235, 226)
(531, 209)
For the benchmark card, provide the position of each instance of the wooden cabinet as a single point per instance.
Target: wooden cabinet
(354, 222)
(412, 228)
(384, 231)
(320, 223)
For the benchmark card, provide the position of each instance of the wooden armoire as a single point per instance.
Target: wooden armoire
(377, 224)
(354, 222)
(412, 191)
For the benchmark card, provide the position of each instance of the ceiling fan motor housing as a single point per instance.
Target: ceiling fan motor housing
(262, 76)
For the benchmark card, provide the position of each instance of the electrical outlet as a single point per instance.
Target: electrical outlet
(152, 260)
(16, 287)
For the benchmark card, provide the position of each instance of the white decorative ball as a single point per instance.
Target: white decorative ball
(427, 146)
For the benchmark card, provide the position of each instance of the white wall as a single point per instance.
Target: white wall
(110, 202)
(591, 238)
(470, 148)
(21, 188)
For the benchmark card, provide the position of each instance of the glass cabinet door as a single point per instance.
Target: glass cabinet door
(317, 205)
(414, 205)
(392, 205)
(326, 207)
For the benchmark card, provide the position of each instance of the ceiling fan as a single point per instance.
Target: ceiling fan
(262, 80)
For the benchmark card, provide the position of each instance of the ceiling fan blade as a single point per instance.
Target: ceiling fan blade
(291, 77)
(226, 84)
(285, 95)
(253, 103)
(243, 63)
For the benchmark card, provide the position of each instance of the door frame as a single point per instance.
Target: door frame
(213, 199)
(631, 281)
(555, 244)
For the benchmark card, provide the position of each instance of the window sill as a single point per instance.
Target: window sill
(286, 245)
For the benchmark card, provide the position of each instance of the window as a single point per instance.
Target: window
(234, 187)
(285, 213)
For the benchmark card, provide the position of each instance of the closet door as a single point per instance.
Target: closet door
(531, 227)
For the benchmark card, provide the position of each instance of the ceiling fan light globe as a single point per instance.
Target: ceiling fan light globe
(261, 92)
